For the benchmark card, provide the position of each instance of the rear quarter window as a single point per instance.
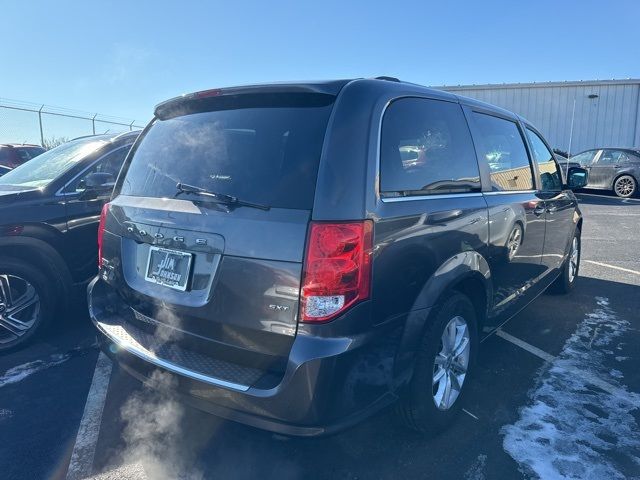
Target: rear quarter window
(261, 150)
(426, 148)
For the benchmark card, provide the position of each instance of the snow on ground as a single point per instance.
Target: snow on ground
(20, 372)
(573, 429)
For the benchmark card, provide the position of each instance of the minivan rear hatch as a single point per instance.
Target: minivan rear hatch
(207, 229)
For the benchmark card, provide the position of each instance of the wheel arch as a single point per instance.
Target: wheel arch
(467, 273)
(622, 174)
(41, 254)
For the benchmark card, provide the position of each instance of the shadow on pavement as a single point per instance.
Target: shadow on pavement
(600, 197)
(208, 447)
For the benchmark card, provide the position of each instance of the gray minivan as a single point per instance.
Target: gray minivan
(298, 256)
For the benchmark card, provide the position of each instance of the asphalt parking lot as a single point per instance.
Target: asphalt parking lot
(556, 395)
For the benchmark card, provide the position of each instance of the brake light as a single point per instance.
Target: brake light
(337, 269)
(103, 216)
(208, 93)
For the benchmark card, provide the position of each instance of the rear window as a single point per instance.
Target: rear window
(261, 148)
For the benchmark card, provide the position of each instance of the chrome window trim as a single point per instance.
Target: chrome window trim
(60, 192)
(506, 192)
(435, 196)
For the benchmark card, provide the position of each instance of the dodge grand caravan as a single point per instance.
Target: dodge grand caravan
(298, 256)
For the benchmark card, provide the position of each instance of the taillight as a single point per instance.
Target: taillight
(337, 269)
(103, 216)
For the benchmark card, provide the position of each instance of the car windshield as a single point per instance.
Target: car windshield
(43, 169)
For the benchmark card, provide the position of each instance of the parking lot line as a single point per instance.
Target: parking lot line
(628, 270)
(470, 414)
(547, 357)
(84, 450)
(622, 200)
(586, 376)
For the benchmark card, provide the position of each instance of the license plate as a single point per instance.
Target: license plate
(168, 267)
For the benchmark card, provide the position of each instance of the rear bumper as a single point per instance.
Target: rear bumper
(329, 383)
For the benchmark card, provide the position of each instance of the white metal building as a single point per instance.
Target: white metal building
(605, 113)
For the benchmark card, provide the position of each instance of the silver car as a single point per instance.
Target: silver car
(616, 169)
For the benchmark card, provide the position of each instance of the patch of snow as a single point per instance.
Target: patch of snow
(572, 429)
(476, 471)
(20, 372)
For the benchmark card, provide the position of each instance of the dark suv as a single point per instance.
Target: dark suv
(13, 154)
(298, 256)
(49, 211)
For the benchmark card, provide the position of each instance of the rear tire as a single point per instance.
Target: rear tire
(27, 303)
(425, 406)
(625, 186)
(570, 269)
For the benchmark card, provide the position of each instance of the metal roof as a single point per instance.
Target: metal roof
(569, 83)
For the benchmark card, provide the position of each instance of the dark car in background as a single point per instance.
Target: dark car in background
(13, 154)
(613, 169)
(49, 212)
(298, 256)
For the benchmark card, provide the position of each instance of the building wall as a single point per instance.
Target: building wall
(610, 119)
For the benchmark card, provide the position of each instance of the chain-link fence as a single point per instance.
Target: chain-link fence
(22, 122)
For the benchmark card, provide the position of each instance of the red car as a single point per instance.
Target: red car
(12, 154)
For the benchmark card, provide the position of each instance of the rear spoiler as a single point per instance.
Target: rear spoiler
(260, 95)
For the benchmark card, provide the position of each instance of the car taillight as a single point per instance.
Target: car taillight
(103, 216)
(337, 269)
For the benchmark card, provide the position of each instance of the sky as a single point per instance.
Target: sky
(122, 58)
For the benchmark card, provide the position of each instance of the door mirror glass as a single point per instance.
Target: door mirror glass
(577, 178)
(94, 184)
(96, 180)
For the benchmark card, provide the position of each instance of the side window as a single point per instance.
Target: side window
(426, 148)
(502, 147)
(23, 154)
(34, 152)
(606, 158)
(585, 158)
(547, 166)
(614, 157)
(109, 164)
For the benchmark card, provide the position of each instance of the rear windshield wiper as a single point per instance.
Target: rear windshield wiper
(217, 197)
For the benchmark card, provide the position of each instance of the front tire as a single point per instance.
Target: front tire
(27, 302)
(443, 366)
(625, 186)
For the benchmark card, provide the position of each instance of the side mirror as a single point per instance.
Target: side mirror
(577, 177)
(92, 184)
(97, 179)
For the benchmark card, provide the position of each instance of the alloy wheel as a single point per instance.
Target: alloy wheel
(625, 186)
(19, 307)
(574, 259)
(451, 363)
(514, 241)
